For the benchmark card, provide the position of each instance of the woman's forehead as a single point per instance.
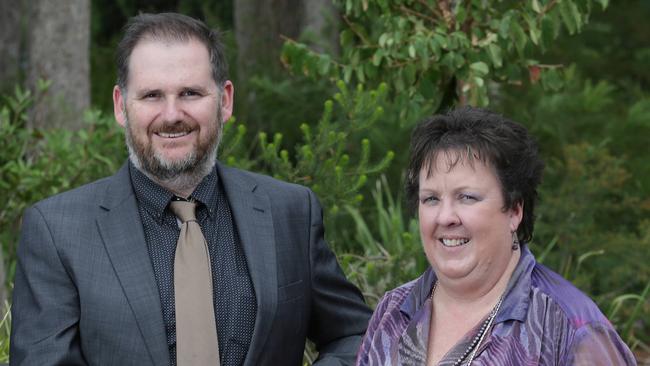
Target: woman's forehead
(444, 160)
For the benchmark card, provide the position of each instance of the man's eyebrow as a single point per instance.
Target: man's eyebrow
(145, 91)
(196, 88)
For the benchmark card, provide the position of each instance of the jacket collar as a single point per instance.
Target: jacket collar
(121, 231)
(253, 218)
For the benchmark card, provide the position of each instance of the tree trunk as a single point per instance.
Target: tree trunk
(58, 51)
(259, 25)
(321, 26)
(10, 42)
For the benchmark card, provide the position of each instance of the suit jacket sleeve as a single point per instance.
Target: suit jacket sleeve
(339, 315)
(45, 312)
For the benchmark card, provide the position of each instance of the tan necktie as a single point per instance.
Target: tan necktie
(196, 331)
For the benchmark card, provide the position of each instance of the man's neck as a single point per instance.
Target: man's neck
(181, 185)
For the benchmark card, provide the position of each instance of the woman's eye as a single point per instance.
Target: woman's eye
(431, 200)
(468, 198)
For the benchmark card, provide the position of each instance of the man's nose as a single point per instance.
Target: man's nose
(172, 111)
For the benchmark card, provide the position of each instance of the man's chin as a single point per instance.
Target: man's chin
(187, 167)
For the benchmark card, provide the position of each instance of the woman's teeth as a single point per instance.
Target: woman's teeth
(453, 242)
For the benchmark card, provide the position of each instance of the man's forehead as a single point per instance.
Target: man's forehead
(161, 61)
(165, 43)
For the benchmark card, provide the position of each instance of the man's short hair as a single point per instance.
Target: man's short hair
(170, 27)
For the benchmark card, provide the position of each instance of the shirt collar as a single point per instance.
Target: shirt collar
(419, 294)
(517, 295)
(516, 300)
(155, 198)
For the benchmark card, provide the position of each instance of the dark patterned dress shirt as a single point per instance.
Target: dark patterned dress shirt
(234, 297)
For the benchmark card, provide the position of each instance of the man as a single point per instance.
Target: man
(101, 278)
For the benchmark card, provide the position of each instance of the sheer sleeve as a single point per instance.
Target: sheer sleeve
(599, 345)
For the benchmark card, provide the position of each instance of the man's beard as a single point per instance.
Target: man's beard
(175, 175)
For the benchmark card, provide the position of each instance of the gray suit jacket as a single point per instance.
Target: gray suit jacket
(85, 291)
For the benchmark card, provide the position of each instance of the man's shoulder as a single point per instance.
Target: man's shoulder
(263, 181)
(80, 197)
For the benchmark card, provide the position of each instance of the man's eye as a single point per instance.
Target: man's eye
(150, 96)
(190, 93)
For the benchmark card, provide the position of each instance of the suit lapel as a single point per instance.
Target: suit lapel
(123, 236)
(254, 222)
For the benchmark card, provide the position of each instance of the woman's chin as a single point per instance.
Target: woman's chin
(455, 271)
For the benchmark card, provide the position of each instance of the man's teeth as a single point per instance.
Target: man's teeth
(453, 242)
(172, 135)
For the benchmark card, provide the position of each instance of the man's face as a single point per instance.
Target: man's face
(173, 111)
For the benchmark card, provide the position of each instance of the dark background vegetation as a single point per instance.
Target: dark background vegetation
(322, 100)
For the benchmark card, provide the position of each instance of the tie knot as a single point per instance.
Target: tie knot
(184, 210)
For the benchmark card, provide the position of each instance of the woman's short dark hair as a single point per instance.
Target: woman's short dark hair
(169, 27)
(498, 142)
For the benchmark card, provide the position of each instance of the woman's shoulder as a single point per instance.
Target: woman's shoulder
(399, 293)
(405, 298)
(590, 339)
(576, 306)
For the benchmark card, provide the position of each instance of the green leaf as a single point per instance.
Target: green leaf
(324, 64)
(533, 29)
(346, 38)
(448, 60)
(434, 46)
(409, 74)
(566, 12)
(480, 67)
(603, 3)
(551, 79)
(536, 7)
(376, 58)
(504, 26)
(347, 73)
(382, 39)
(495, 55)
(412, 51)
(519, 37)
(479, 82)
(441, 40)
(459, 60)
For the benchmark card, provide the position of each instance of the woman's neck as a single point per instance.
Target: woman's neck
(459, 306)
(460, 296)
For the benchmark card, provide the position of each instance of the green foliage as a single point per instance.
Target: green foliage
(35, 164)
(392, 253)
(331, 158)
(424, 47)
(5, 332)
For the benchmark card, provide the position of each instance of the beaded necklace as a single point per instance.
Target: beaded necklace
(478, 338)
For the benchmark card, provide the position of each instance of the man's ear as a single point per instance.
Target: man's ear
(119, 106)
(227, 100)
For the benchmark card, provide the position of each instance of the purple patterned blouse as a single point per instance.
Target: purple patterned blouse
(543, 320)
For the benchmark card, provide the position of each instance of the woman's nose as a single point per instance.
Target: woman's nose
(447, 215)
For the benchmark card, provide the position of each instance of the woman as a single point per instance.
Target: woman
(473, 176)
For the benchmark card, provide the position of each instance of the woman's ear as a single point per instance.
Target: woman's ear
(516, 215)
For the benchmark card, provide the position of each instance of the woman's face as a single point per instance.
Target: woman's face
(467, 236)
